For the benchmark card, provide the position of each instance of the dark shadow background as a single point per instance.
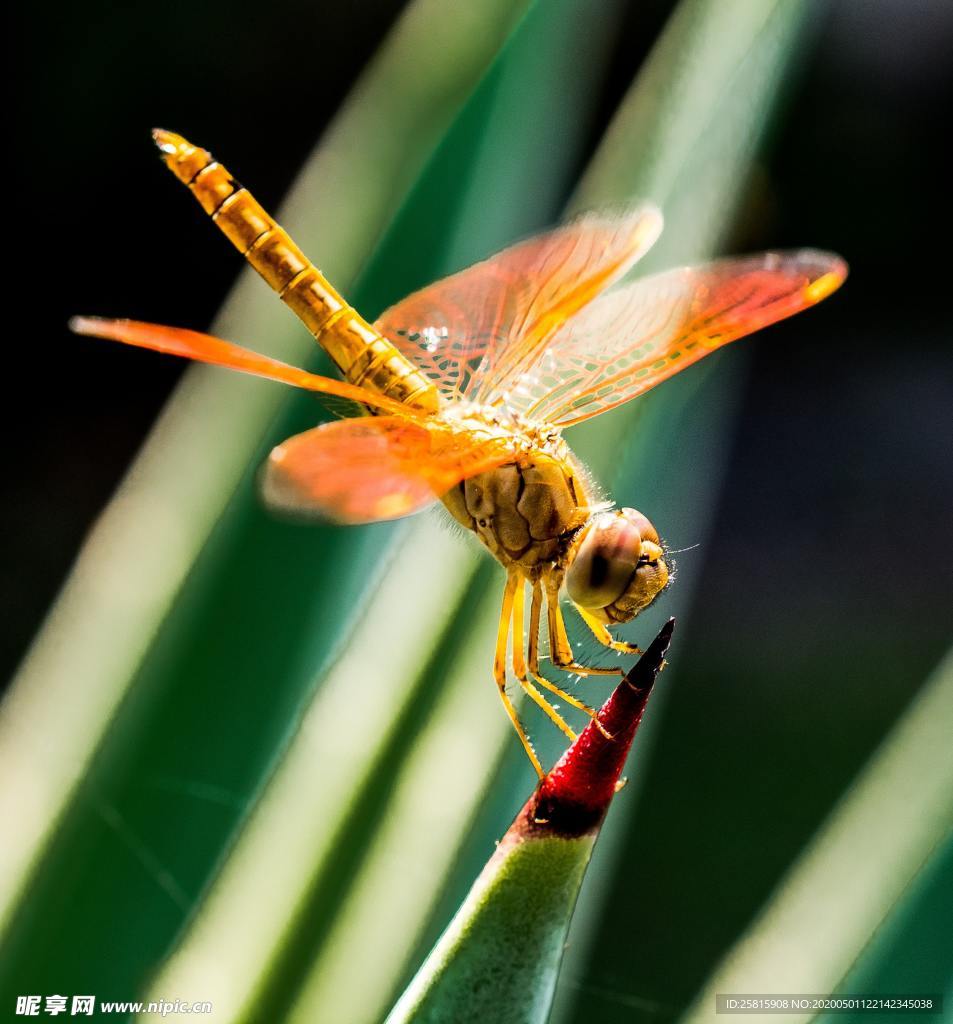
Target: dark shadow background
(832, 553)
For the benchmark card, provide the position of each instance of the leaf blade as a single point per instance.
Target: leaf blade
(898, 812)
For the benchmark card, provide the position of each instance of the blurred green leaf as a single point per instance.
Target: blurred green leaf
(849, 881)
(912, 951)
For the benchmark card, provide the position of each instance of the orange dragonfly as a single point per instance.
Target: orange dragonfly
(469, 384)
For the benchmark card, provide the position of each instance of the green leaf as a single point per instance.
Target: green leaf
(500, 956)
(895, 818)
(911, 951)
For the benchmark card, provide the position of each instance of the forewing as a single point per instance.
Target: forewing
(472, 332)
(642, 333)
(370, 469)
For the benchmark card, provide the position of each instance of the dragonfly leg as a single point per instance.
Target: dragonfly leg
(519, 666)
(559, 646)
(541, 680)
(602, 634)
(499, 667)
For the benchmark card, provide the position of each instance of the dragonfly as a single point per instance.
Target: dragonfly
(464, 388)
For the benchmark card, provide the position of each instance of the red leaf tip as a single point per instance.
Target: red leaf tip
(572, 799)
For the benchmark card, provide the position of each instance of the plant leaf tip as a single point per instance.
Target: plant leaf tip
(573, 798)
(647, 668)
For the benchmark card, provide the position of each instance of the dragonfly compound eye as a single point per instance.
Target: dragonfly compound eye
(617, 568)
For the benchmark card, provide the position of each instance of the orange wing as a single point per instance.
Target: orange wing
(365, 470)
(474, 331)
(207, 349)
(642, 333)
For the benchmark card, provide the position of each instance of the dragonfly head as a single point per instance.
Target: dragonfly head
(616, 566)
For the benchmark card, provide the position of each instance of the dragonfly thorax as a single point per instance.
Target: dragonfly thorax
(528, 511)
(498, 419)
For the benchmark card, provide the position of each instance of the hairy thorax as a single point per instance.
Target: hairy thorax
(526, 511)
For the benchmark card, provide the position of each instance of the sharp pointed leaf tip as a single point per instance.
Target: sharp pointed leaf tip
(573, 798)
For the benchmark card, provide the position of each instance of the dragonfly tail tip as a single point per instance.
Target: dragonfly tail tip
(168, 142)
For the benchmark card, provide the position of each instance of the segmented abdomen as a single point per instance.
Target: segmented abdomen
(363, 354)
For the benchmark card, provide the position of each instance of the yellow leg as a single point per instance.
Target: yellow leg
(519, 666)
(534, 626)
(560, 649)
(499, 667)
(603, 635)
